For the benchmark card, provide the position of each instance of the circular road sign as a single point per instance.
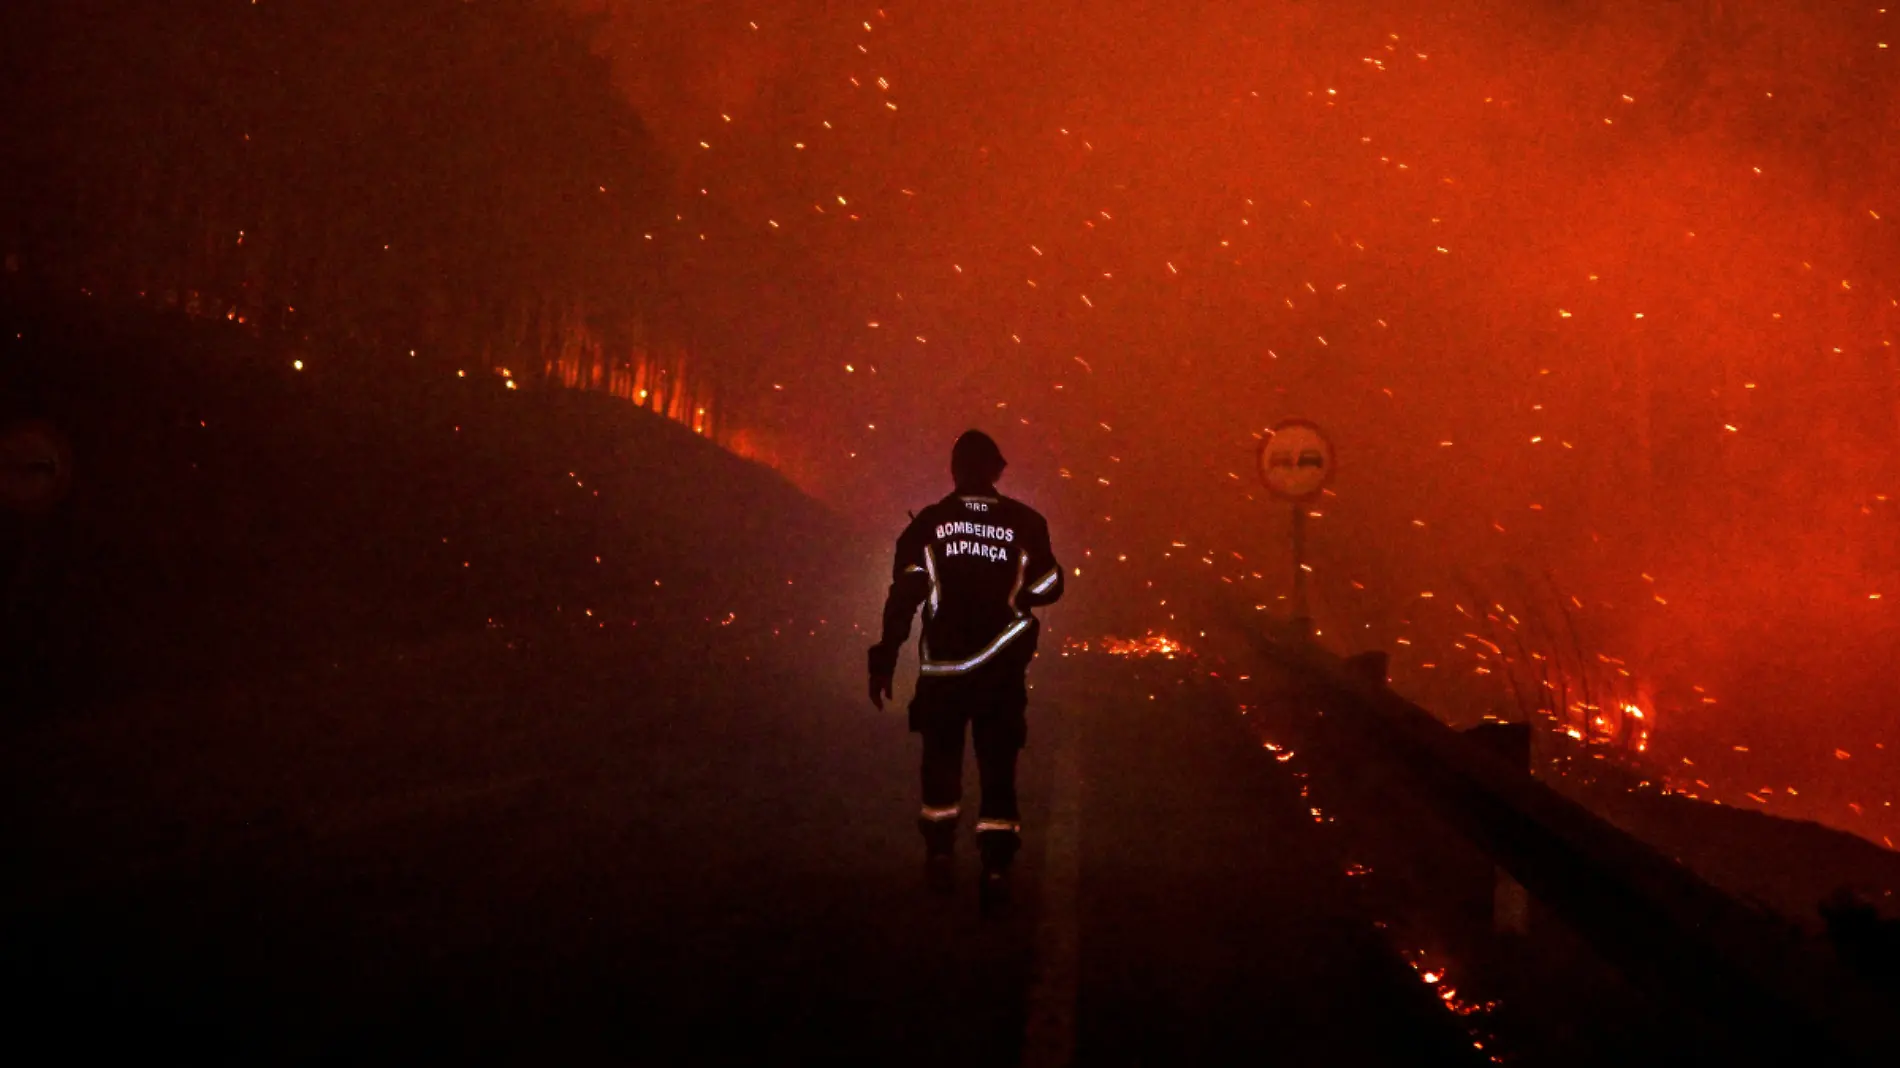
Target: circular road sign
(36, 467)
(1296, 460)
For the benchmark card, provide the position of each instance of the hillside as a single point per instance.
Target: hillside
(233, 511)
(339, 697)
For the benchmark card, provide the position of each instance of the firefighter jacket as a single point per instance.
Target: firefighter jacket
(977, 563)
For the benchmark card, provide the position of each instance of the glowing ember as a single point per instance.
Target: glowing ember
(1151, 644)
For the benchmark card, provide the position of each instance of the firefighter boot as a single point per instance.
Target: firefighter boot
(939, 873)
(998, 840)
(940, 836)
(993, 893)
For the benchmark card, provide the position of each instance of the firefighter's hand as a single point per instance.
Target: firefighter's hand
(880, 689)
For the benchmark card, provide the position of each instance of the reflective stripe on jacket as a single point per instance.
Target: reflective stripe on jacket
(977, 563)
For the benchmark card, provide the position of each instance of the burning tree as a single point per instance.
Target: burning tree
(439, 179)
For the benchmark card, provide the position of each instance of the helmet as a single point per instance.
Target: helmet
(975, 460)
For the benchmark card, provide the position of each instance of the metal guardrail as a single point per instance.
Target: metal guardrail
(1776, 995)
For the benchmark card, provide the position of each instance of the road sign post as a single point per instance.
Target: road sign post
(1302, 611)
(1296, 466)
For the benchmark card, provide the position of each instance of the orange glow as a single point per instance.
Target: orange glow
(1151, 644)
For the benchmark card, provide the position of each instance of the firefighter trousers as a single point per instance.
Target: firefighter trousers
(991, 703)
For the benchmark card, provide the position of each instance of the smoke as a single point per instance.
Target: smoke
(1596, 299)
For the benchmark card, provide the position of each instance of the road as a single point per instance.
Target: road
(583, 845)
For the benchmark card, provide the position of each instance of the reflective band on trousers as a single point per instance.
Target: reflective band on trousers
(1012, 826)
(958, 667)
(1046, 582)
(940, 814)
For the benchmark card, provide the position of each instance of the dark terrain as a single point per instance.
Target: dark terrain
(378, 717)
(336, 744)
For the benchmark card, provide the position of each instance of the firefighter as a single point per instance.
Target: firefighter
(977, 562)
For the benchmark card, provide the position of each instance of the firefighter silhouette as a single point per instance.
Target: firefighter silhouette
(977, 563)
